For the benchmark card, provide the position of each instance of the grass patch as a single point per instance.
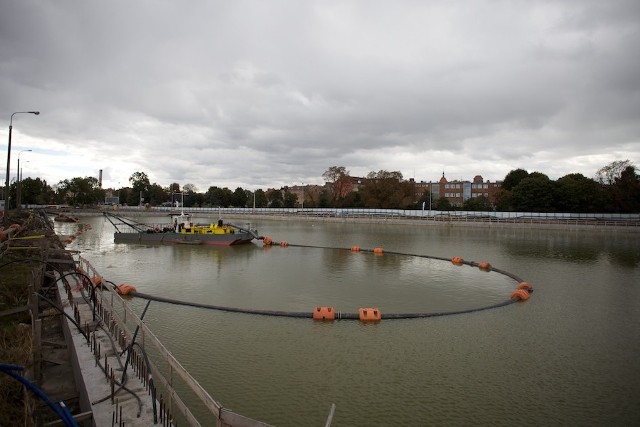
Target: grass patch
(16, 272)
(15, 348)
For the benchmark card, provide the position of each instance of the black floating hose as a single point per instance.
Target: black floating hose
(219, 307)
(308, 315)
(338, 315)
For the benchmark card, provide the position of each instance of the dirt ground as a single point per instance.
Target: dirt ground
(28, 244)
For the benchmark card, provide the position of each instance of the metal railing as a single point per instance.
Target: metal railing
(167, 376)
(396, 213)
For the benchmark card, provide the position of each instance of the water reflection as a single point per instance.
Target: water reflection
(571, 349)
(579, 247)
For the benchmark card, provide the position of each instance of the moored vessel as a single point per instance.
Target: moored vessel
(181, 230)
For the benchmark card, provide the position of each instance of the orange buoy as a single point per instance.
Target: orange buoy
(324, 313)
(125, 289)
(97, 280)
(378, 250)
(267, 240)
(526, 286)
(457, 260)
(484, 266)
(283, 244)
(369, 314)
(520, 293)
(355, 248)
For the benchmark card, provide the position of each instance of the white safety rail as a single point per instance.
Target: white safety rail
(172, 378)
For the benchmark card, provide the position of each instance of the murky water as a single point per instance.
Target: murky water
(568, 356)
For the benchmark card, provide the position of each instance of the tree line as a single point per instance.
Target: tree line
(615, 188)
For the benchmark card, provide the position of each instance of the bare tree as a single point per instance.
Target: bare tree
(189, 188)
(608, 174)
(339, 181)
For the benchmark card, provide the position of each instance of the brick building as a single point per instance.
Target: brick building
(457, 192)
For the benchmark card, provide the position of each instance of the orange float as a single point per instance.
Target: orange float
(97, 280)
(457, 260)
(369, 314)
(324, 313)
(484, 266)
(378, 250)
(355, 248)
(284, 244)
(125, 289)
(267, 240)
(526, 286)
(520, 293)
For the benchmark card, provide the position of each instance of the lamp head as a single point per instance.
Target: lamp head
(35, 112)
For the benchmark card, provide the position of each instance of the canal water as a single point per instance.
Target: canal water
(570, 355)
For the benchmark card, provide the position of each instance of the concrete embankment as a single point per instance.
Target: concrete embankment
(440, 220)
(66, 377)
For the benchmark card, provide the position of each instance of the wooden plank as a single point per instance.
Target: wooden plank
(84, 416)
(55, 360)
(56, 344)
(37, 350)
(33, 303)
(15, 310)
(60, 261)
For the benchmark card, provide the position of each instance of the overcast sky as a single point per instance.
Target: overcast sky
(262, 94)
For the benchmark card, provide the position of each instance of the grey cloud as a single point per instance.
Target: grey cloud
(264, 94)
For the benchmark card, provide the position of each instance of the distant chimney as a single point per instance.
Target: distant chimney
(100, 179)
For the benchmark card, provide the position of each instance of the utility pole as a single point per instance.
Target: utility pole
(6, 190)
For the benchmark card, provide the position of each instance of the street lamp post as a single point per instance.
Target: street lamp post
(19, 189)
(6, 190)
(19, 182)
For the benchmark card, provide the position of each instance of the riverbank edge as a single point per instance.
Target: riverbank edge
(447, 222)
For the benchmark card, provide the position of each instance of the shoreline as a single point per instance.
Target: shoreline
(394, 219)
